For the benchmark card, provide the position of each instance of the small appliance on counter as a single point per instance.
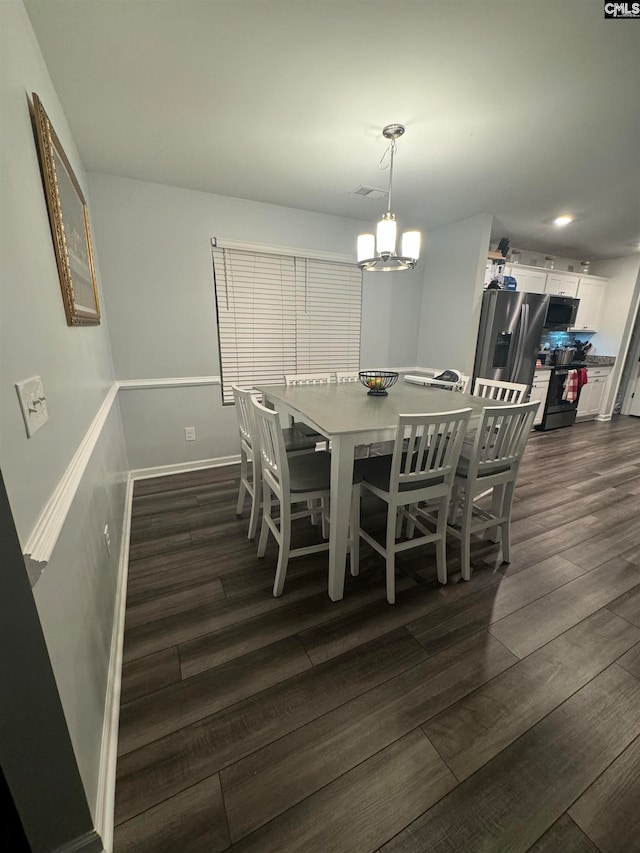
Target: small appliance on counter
(563, 355)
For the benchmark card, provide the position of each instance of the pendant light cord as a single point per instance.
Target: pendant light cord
(390, 151)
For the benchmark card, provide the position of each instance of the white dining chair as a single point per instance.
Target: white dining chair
(308, 379)
(291, 480)
(250, 468)
(490, 463)
(421, 469)
(347, 376)
(495, 389)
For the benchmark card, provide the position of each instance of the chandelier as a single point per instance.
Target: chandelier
(377, 253)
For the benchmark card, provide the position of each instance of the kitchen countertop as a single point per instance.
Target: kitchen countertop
(600, 360)
(591, 361)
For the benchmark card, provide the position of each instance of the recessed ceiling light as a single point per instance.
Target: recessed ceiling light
(562, 220)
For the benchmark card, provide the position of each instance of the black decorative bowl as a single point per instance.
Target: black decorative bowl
(377, 381)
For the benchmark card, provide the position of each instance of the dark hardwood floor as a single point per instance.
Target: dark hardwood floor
(501, 714)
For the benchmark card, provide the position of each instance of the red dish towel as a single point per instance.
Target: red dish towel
(571, 386)
(582, 377)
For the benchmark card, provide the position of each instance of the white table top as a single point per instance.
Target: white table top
(337, 408)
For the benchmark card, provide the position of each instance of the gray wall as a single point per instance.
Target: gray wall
(618, 316)
(454, 262)
(155, 258)
(75, 595)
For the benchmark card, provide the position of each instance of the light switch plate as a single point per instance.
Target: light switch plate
(33, 403)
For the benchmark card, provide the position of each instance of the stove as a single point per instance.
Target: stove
(558, 412)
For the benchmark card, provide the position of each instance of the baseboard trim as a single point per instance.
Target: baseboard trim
(604, 418)
(90, 842)
(39, 547)
(105, 806)
(183, 467)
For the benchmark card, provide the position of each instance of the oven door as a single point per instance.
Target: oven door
(558, 412)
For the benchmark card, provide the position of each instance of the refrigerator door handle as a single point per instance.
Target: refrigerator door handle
(523, 331)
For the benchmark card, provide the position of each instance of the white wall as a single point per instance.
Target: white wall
(155, 255)
(76, 369)
(618, 316)
(454, 263)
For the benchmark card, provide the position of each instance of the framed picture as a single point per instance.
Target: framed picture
(69, 221)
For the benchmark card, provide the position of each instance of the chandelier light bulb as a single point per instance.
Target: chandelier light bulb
(366, 246)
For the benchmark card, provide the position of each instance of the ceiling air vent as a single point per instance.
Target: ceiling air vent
(369, 192)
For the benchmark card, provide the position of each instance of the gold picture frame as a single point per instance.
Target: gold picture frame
(69, 220)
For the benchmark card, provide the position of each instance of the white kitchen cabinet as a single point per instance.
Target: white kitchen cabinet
(562, 284)
(539, 388)
(529, 280)
(592, 394)
(591, 293)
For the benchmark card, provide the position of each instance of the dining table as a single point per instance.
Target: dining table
(348, 416)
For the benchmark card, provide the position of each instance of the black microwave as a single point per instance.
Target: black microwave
(561, 313)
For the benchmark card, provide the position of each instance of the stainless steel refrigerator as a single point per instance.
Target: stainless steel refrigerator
(511, 325)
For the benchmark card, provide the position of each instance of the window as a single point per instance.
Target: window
(280, 314)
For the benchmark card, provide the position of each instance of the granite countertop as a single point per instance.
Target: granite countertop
(590, 361)
(600, 360)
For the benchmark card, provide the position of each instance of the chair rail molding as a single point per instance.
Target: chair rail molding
(40, 544)
(168, 382)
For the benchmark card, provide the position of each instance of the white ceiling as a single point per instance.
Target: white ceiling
(523, 108)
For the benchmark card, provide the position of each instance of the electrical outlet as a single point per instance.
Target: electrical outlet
(107, 539)
(189, 433)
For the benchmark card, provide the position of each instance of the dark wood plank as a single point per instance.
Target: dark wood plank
(186, 479)
(160, 713)
(149, 674)
(608, 811)
(164, 767)
(631, 661)
(239, 639)
(139, 550)
(612, 543)
(628, 606)
(363, 808)
(552, 541)
(511, 801)
(281, 774)
(168, 604)
(208, 618)
(564, 836)
(438, 630)
(530, 627)
(339, 635)
(480, 725)
(191, 822)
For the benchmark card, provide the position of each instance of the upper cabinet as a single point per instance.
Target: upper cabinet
(531, 280)
(590, 290)
(562, 284)
(591, 293)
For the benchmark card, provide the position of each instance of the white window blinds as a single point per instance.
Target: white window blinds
(280, 314)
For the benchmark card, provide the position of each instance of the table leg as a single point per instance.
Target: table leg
(342, 448)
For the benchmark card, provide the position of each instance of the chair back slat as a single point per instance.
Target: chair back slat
(270, 442)
(242, 400)
(495, 389)
(307, 379)
(427, 448)
(501, 437)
